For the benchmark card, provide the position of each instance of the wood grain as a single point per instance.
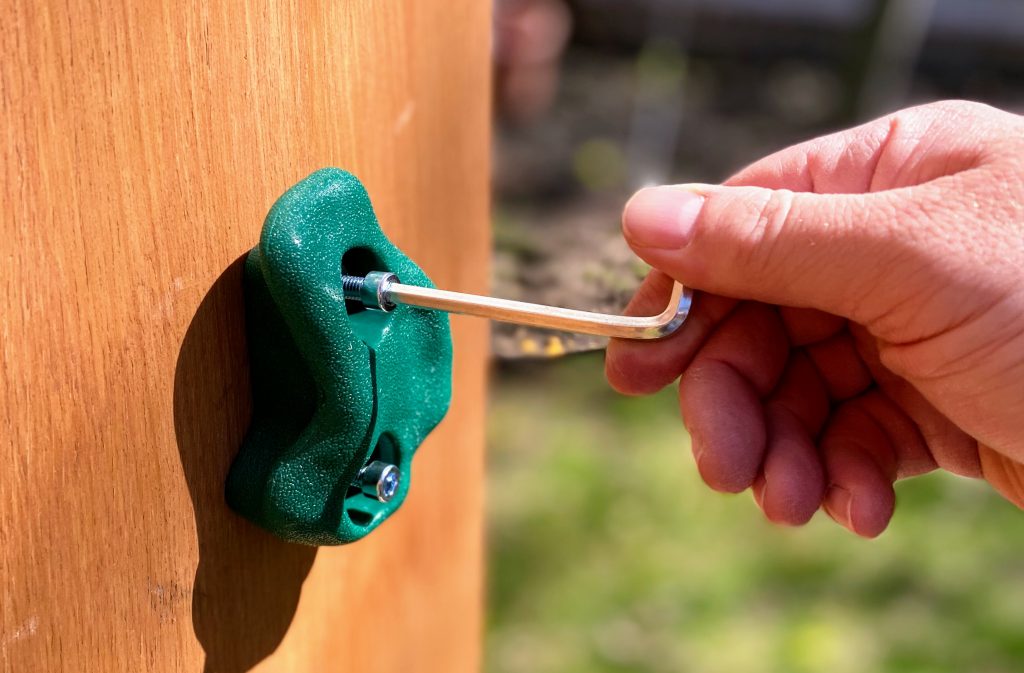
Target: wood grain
(143, 143)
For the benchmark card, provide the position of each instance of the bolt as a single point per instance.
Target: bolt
(371, 290)
(379, 480)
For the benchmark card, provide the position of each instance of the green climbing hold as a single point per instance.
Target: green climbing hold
(335, 387)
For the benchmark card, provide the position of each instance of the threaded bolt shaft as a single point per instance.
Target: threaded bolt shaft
(353, 287)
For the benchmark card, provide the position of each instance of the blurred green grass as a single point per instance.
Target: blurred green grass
(607, 554)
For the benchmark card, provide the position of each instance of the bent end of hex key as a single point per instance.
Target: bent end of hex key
(382, 291)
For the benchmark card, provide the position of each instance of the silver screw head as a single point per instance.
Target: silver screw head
(380, 480)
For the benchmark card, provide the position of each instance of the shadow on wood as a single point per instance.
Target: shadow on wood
(248, 582)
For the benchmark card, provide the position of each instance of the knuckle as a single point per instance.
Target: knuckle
(959, 109)
(775, 212)
(767, 231)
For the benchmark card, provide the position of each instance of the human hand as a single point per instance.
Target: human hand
(530, 36)
(864, 327)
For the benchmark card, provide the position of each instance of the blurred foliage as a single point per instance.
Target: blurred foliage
(607, 554)
(598, 164)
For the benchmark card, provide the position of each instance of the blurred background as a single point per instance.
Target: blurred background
(606, 552)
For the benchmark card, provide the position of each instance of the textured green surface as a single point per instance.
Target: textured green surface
(331, 387)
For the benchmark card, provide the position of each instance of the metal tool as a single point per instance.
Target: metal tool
(381, 290)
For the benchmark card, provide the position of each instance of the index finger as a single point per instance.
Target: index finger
(635, 367)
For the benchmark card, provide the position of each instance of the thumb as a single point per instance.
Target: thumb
(832, 252)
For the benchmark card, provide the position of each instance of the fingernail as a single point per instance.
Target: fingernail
(760, 489)
(662, 217)
(838, 504)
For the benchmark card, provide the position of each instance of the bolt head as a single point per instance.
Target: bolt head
(387, 485)
(380, 480)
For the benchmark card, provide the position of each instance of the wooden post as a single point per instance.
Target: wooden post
(143, 143)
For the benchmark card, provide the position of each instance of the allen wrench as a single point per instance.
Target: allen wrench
(382, 291)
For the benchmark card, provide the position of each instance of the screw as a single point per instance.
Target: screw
(379, 480)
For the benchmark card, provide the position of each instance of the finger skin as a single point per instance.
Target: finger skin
(635, 367)
(867, 510)
(792, 481)
(840, 366)
(907, 147)
(791, 485)
(726, 421)
(950, 447)
(721, 396)
(868, 444)
(794, 249)
(802, 393)
(808, 326)
(1005, 474)
(860, 466)
(909, 452)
